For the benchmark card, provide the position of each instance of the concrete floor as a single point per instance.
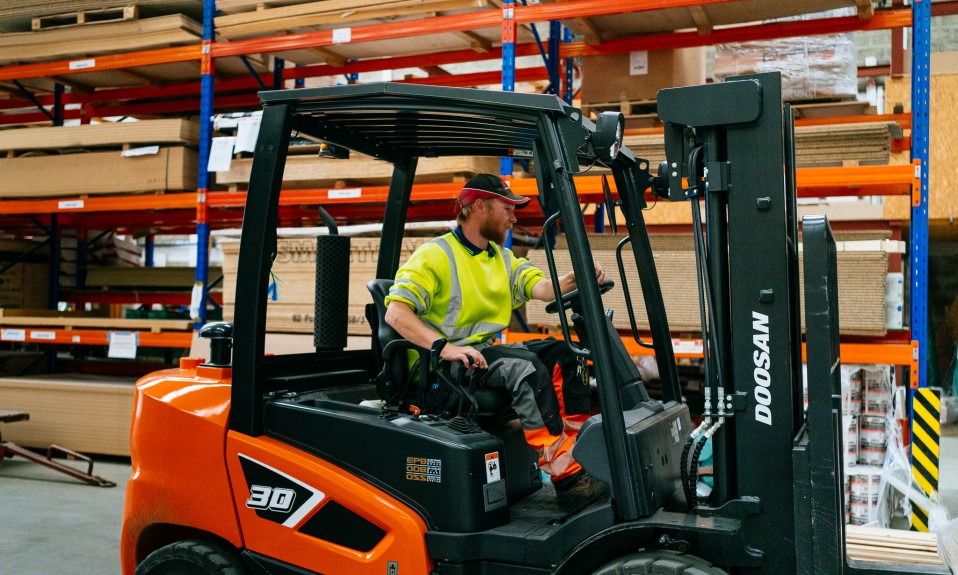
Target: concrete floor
(50, 523)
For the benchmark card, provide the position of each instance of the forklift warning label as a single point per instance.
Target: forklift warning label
(422, 469)
(493, 473)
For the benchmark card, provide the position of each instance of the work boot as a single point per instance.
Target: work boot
(577, 490)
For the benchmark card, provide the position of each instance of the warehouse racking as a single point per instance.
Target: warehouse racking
(205, 208)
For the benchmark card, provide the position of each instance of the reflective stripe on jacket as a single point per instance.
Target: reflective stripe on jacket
(467, 298)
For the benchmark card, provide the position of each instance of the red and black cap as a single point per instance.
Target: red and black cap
(489, 186)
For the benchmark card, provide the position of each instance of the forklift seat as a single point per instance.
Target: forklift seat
(394, 363)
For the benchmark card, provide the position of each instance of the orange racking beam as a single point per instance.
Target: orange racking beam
(812, 182)
(100, 63)
(96, 337)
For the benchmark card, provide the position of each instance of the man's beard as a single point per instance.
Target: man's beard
(492, 233)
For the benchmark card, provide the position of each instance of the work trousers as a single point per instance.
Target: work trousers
(548, 393)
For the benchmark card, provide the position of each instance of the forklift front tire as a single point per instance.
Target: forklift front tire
(661, 562)
(192, 557)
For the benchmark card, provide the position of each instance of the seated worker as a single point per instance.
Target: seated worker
(462, 287)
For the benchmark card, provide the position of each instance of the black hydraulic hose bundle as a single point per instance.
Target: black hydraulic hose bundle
(689, 467)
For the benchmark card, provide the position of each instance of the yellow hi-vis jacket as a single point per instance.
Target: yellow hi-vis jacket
(464, 293)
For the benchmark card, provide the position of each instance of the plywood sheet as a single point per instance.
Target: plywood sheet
(164, 131)
(171, 169)
(943, 142)
(89, 414)
(105, 38)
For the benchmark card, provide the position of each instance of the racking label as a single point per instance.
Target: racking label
(13, 335)
(70, 205)
(345, 193)
(43, 335)
(83, 64)
(342, 35)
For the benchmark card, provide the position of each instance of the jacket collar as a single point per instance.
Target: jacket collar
(472, 248)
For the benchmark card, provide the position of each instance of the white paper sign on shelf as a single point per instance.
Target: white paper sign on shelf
(141, 151)
(43, 335)
(122, 344)
(639, 63)
(83, 64)
(13, 335)
(342, 35)
(221, 154)
(70, 205)
(247, 130)
(687, 346)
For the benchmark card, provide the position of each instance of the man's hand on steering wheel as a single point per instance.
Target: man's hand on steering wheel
(470, 357)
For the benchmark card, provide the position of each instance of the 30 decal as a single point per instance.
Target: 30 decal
(272, 498)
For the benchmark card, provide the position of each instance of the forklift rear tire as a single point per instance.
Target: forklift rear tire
(192, 557)
(661, 562)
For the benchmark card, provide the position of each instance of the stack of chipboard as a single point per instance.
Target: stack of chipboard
(292, 295)
(864, 144)
(861, 280)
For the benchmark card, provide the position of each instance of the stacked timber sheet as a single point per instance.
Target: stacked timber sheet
(85, 413)
(99, 38)
(309, 171)
(865, 144)
(39, 158)
(294, 284)
(861, 280)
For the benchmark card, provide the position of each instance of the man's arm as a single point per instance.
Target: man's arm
(404, 320)
(543, 291)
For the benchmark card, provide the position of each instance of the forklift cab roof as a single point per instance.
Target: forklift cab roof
(394, 121)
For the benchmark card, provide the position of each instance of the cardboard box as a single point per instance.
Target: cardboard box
(639, 75)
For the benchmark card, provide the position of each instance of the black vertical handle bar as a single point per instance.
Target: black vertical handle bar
(628, 298)
(550, 259)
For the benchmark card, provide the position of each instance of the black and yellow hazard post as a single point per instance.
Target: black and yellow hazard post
(925, 439)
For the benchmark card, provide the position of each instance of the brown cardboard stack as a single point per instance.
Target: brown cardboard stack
(293, 285)
(861, 280)
(638, 76)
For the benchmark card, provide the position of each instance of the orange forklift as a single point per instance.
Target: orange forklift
(344, 462)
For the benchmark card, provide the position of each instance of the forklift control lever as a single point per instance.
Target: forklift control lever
(220, 334)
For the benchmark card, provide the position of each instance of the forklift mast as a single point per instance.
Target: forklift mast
(732, 143)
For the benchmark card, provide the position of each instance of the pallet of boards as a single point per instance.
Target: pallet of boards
(310, 171)
(99, 38)
(85, 413)
(861, 279)
(67, 320)
(30, 176)
(865, 144)
(245, 18)
(291, 308)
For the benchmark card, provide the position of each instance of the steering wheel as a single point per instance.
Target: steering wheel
(567, 300)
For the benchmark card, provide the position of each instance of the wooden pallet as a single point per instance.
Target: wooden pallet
(80, 17)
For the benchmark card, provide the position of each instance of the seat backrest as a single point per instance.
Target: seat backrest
(396, 372)
(383, 332)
